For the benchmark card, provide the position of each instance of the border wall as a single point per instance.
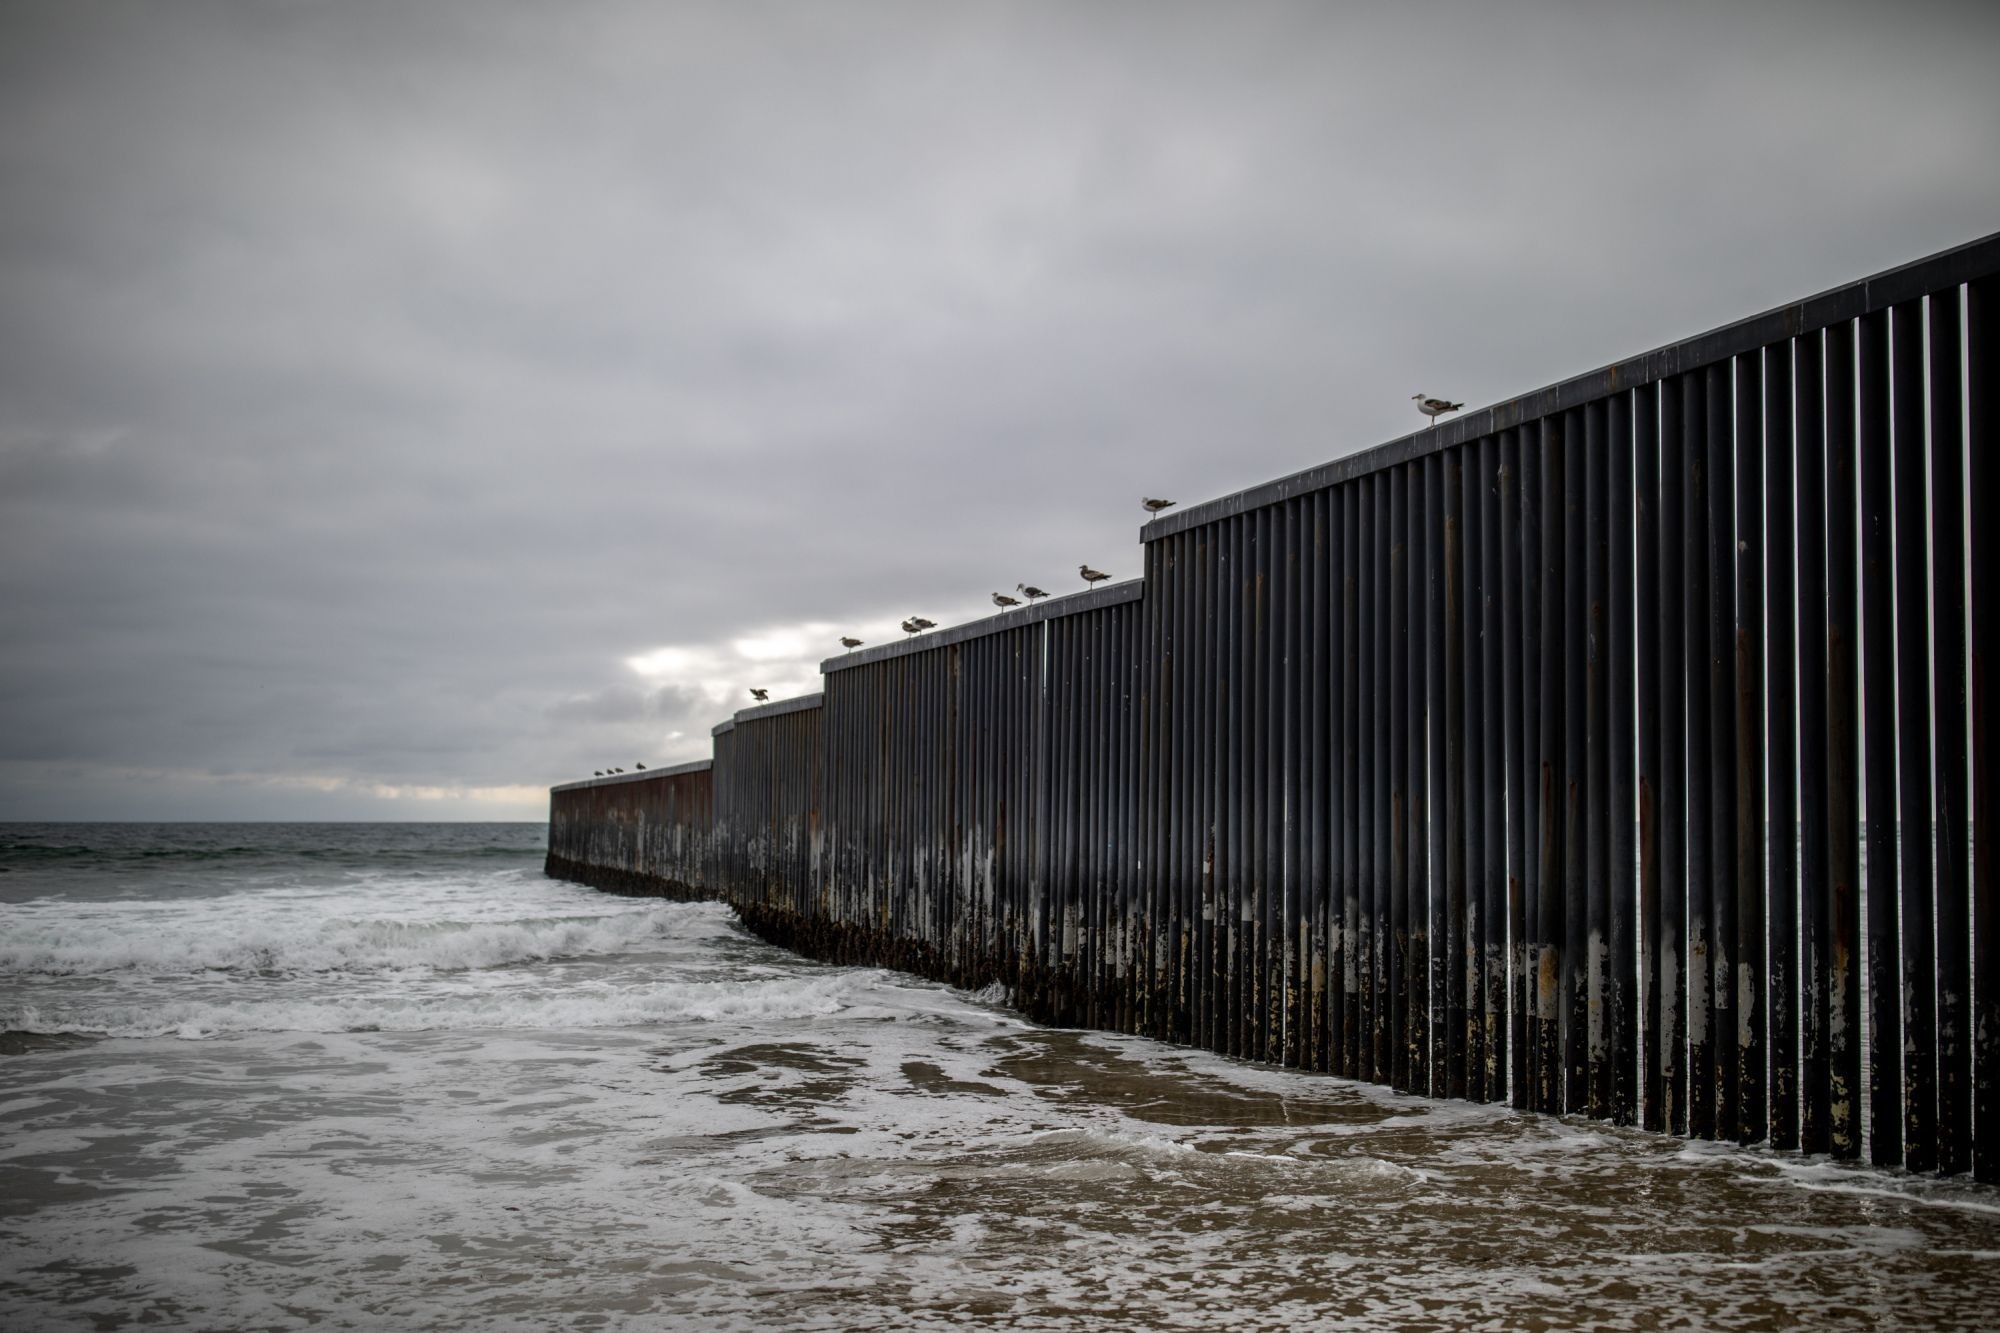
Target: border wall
(1620, 750)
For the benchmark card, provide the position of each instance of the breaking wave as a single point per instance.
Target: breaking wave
(146, 944)
(664, 1002)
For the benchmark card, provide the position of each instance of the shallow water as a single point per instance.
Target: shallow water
(374, 1085)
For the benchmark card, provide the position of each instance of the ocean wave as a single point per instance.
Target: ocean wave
(767, 1000)
(40, 851)
(144, 944)
(31, 853)
(422, 855)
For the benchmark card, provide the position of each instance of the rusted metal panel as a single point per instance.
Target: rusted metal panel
(1350, 785)
(1781, 553)
(1519, 546)
(643, 833)
(1815, 878)
(1878, 772)
(1598, 769)
(1916, 809)
(1319, 806)
(1486, 783)
(1649, 614)
(1948, 594)
(1676, 892)
(1371, 643)
(1552, 667)
(1621, 975)
(1481, 731)
(1405, 654)
(1750, 983)
(1722, 753)
(1982, 362)
(1573, 788)
(1843, 707)
(1440, 731)
(1698, 614)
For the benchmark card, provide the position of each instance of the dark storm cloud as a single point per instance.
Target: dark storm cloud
(383, 388)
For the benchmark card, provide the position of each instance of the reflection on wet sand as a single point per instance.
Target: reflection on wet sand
(1272, 1196)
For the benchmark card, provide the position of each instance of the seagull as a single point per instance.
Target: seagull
(849, 644)
(636, 764)
(1001, 599)
(917, 624)
(597, 772)
(617, 770)
(1434, 407)
(1029, 591)
(760, 695)
(1155, 506)
(1092, 575)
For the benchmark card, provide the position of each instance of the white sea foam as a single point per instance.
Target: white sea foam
(1818, 1174)
(775, 1000)
(1094, 1141)
(301, 937)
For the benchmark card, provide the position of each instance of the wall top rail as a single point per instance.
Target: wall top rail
(1069, 604)
(776, 708)
(620, 779)
(1921, 277)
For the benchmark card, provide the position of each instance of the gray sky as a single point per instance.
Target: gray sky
(403, 408)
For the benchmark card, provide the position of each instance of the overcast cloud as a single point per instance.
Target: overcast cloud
(404, 407)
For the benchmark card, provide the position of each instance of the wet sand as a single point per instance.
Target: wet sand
(913, 1159)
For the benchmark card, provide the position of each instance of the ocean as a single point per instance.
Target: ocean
(388, 1076)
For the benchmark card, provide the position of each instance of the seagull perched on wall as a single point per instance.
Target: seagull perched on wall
(1092, 575)
(641, 767)
(1155, 506)
(1434, 407)
(597, 772)
(849, 644)
(918, 624)
(1029, 591)
(1001, 599)
(760, 695)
